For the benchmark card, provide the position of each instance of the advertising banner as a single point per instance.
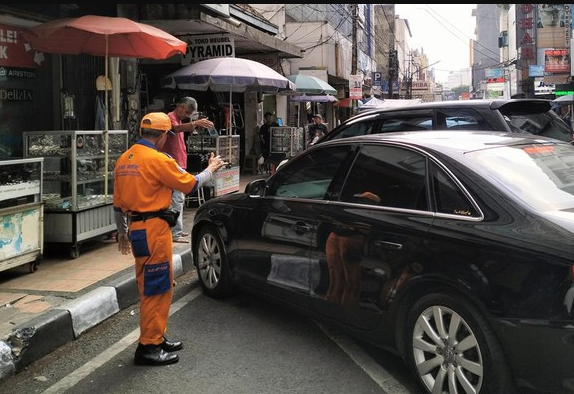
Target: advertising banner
(557, 61)
(355, 87)
(15, 52)
(553, 25)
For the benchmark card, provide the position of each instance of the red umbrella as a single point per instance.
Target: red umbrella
(347, 103)
(104, 36)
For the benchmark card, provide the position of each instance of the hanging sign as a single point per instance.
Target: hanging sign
(355, 87)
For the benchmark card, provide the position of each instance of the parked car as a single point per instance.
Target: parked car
(452, 249)
(533, 116)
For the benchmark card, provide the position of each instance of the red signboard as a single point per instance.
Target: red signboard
(557, 61)
(15, 51)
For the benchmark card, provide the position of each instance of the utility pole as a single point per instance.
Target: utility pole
(392, 69)
(409, 86)
(354, 14)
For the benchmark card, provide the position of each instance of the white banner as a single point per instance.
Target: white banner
(355, 87)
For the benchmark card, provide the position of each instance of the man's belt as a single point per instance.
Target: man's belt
(142, 216)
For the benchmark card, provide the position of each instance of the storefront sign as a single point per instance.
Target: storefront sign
(543, 88)
(15, 52)
(495, 86)
(15, 95)
(13, 72)
(536, 70)
(207, 47)
(420, 85)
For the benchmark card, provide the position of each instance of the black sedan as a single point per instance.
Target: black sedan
(453, 249)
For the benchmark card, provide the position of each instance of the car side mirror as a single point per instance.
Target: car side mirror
(256, 188)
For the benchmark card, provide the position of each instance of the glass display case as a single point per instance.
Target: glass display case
(21, 213)
(227, 146)
(287, 140)
(78, 182)
(226, 180)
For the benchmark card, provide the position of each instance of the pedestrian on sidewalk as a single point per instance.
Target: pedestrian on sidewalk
(144, 179)
(176, 148)
(265, 139)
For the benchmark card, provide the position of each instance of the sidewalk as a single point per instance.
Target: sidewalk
(42, 311)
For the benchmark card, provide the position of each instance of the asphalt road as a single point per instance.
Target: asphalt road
(238, 345)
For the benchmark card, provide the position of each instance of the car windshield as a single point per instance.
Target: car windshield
(540, 175)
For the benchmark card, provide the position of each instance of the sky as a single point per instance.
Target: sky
(443, 32)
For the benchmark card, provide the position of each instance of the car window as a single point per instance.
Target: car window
(352, 130)
(547, 124)
(406, 123)
(449, 197)
(387, 176)
(461, 119)
(535, 117)
(310, 175)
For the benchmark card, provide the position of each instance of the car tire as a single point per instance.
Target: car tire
(472, 356)
(211, 263)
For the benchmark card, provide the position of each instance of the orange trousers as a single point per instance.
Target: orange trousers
(152, 249)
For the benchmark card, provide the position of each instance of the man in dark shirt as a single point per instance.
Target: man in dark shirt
(317, 130)
(265, 135)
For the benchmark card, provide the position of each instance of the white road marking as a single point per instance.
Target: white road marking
(73, 378)
(386, 381)
(379, 375)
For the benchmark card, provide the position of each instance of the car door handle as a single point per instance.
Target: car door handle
(388, 245)
(300, 228)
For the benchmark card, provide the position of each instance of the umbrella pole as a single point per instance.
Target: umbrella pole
(106, 124)
(229, 133)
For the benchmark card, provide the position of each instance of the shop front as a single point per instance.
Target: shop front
(57, 93)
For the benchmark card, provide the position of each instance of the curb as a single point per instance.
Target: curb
(45, 333)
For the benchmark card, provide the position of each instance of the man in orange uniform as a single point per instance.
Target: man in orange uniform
(144, 179)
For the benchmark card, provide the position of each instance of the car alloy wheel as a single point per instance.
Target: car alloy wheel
(452, 348)
(446, 350)
(211, 263)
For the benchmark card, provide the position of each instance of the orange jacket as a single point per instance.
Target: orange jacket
(145, 177)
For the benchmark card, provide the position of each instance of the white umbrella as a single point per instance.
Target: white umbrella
(564, 100)
(228, 74)
(225, 74)
(307, 84)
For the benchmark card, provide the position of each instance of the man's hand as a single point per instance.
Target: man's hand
(124, 244)
(215, 162)
(204, 122)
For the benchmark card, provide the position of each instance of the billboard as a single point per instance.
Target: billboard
(553, 25)
(557, 61)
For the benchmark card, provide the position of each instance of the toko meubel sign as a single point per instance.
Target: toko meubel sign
(208, 46)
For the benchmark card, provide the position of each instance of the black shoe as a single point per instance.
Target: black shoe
(153, 355)
(171, 346)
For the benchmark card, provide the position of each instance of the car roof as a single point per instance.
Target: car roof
(451, 140)
(490, 103)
